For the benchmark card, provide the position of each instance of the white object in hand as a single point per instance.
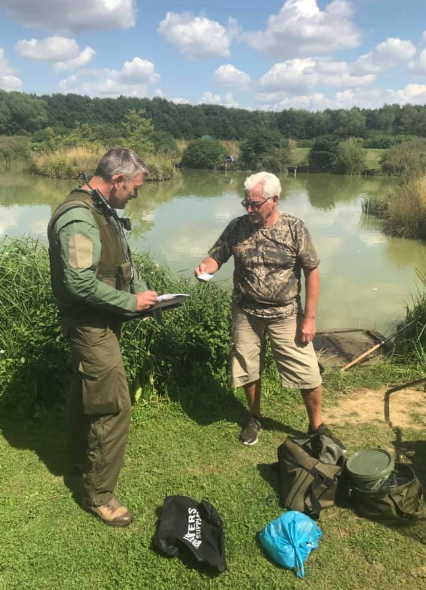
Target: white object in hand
(204, 276)
(167, 296)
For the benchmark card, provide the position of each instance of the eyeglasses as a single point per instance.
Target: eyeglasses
(253, 204)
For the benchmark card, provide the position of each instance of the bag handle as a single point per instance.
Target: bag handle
(319, 480)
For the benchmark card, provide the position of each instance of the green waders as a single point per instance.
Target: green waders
(98, 406)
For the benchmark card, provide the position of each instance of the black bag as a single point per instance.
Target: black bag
(196, 525)
(309, 470)
(399, 503)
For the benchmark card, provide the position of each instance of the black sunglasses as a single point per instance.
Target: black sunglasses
(254, 204)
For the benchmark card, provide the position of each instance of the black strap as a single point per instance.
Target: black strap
(320, 479)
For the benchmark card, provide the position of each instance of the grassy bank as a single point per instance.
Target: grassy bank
(403, 210)
(188, 444)
(183, 440)
(68, 163)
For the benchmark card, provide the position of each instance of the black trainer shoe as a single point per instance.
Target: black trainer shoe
(250, 432)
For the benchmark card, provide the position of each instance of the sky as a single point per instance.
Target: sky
(252, 54)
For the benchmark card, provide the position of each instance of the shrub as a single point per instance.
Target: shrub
(203, 153)
(322, 154)
(406, 159)
(192, 345)
(13, 149)
(349, 158)
(263, 148)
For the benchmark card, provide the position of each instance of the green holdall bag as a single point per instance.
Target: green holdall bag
(399, 500)
(309, 471)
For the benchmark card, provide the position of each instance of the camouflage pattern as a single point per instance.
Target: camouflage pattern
(268, 263)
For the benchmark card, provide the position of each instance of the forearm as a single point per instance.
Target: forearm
(312, 287)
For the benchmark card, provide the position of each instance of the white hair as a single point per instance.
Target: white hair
(271, 184)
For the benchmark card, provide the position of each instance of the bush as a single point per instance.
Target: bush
(203, 153)
(265, 149)
(349, 158)
(14, 149)
(322, 154)
(192, 345)
(406, 159)
(380, 141)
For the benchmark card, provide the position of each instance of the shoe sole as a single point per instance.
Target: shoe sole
(250, 444)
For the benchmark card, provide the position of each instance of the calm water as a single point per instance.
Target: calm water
(366, 276)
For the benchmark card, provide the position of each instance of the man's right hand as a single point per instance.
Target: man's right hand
(200, 270)
(145, 300)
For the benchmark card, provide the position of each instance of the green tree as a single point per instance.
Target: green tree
(138, 130)
(323, 153)
(203, 153)
(264, 148)
(350, 158)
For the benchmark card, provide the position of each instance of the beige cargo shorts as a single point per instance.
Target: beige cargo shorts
(296, 362)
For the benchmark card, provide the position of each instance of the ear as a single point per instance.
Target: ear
(117, 179)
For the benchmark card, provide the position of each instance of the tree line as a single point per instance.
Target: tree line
(24, 114)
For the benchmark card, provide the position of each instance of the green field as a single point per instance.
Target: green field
(190, 446)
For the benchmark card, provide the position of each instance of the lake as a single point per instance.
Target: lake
(366, 277)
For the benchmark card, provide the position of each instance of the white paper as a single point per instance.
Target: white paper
(204, 277)
(168, 296)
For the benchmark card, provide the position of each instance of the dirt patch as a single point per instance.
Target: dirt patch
(405, 408)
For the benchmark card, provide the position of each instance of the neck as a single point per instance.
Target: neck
(97, 183)
(271, 218)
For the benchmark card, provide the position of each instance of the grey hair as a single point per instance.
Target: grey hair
(120, 161)
(271, 184)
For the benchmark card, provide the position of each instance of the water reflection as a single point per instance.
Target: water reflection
(366, 276)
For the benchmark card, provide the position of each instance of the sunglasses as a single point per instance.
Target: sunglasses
(254, 204)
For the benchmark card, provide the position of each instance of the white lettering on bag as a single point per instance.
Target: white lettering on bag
(194, 528)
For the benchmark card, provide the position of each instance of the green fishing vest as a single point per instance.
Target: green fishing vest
(115, 266)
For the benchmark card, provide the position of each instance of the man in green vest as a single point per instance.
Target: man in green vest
(96, 286)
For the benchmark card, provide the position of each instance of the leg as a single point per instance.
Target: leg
(253, 393)
(313, 399)
(297, 364)
(248, 353)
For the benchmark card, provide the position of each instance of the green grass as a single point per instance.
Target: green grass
(189, 445)
(373, 158)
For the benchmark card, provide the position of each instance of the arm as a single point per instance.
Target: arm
(312, 283)
(208, 265)
(80, 249)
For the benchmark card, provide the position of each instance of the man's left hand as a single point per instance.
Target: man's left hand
(307, 330)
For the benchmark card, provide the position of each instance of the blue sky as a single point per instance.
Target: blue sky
(253, 54)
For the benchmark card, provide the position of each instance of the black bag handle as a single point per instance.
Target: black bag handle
(319, 479)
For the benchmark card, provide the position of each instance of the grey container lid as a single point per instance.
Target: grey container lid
(369, 464)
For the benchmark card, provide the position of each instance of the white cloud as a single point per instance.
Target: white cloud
(67, 15)
(55, 48)
(82, 59)
(371, 98)
(419, 66)
(229, 100)
(210, 98)
(301, 28)
(303, 74)
(197, 37)
(132, 80)
(230, 77)
(178, 100)
(412, 93)
(386, 55)
(7, 80)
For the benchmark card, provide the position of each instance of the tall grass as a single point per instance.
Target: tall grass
(411, 342)
(65, 163)
(189, 349)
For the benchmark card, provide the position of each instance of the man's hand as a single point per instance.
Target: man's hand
(209, 266)
(307, 330)
(145, 300)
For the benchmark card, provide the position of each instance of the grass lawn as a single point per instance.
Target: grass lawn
(190, 446)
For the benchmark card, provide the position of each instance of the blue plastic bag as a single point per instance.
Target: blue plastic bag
(289, 539)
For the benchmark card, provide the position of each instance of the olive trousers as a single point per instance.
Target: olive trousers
(98, 408)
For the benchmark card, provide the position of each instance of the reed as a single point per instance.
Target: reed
(65, 163)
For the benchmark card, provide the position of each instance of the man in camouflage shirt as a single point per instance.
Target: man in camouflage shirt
(270, 251)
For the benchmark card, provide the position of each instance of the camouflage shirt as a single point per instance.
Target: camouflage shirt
(268, 263)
